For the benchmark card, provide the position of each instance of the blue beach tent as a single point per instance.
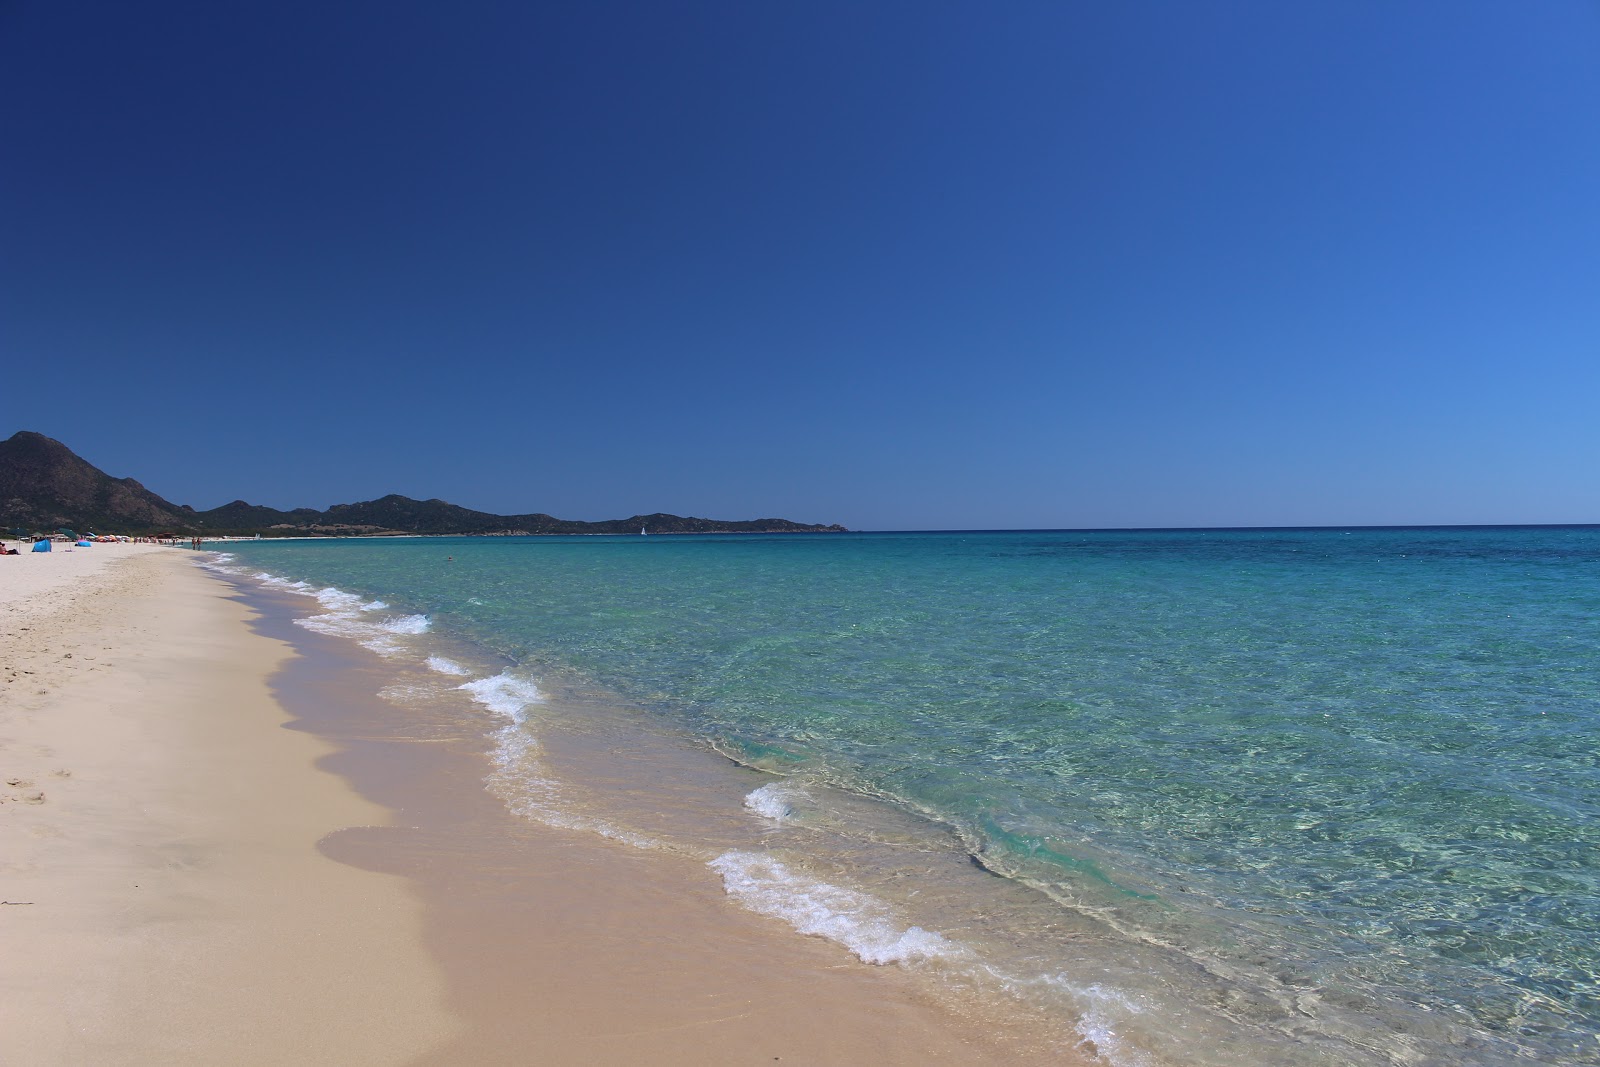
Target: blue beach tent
(41, 546)
(85, 544)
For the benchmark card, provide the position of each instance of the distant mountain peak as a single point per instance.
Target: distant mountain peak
(44, 485)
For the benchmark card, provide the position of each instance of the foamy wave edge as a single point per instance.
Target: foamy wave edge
(440, 665)
(519, 778)
(504, 694)
(861, 923)
(774, 801)
(347, 615)
(344, 614)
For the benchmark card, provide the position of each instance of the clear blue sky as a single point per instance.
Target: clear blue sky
(896, 265)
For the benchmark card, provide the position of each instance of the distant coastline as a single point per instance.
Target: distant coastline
(45, 487)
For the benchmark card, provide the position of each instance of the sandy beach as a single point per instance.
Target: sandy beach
(166, 902)
(220, 846)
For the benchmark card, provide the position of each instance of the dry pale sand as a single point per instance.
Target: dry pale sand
(188, 882)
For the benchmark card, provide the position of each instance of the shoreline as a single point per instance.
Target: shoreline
(492, 937)
(572, 751)
(560, 940)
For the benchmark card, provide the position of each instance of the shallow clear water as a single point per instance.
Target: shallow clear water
(1315, 796)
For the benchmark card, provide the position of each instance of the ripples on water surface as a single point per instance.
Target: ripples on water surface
(1311, 796)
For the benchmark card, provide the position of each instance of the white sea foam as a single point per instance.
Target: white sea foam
(528, 790)
(346, 615)
(505, 694)
(220, 562)
(520, 778)
(863, 924)
(274, 582)
(447, 666)
(774, 801)
(338, 600)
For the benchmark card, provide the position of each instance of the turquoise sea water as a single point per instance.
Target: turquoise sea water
(1281, 796)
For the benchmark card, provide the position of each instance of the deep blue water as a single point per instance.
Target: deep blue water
(1344, 780)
